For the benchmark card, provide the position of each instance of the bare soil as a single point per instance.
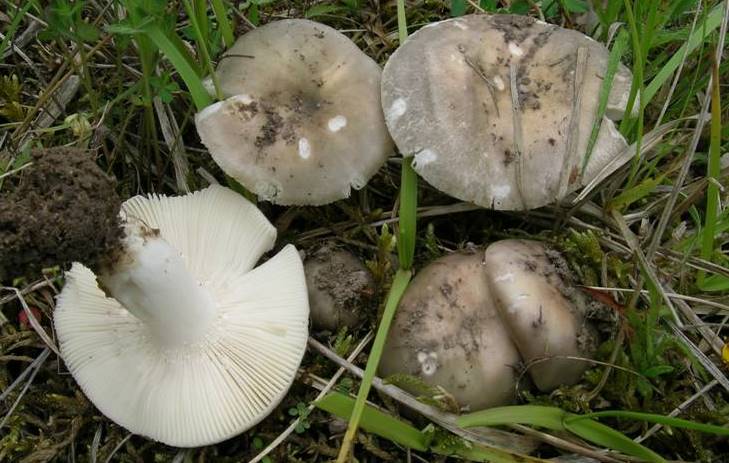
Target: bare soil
(63, 208)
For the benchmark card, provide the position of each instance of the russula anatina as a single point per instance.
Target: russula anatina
(498, 109)
(447, 332)
(191, 344)
(302, 123)
(467, 321)
(340, 288)
(545, 314)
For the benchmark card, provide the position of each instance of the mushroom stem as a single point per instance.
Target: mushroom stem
(152, 282)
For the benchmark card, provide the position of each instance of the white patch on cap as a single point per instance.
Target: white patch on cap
(508, 277)
(428, 362)
(304, 148)
(424, 157)
(485, 154)
(245, 99)
(460, 25)
(397, 109)
(500, 191)
(337, 123)
(515, 49)
(499, 83)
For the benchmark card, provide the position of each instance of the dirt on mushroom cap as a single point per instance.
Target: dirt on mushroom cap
(448, 333)
(497, 110)
(61, 209)
(302, 123)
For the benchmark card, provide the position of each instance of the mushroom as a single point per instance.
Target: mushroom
(545, 313)
(302, 123)
(448, 333)
(498, 109)
(340, 288)
(182, 340)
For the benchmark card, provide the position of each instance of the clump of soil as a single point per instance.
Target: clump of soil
(341, 288)
(61, 209)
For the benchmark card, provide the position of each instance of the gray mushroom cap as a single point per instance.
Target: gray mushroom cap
(447, 98)
(545, 314)
(302, 122)
(448, 332)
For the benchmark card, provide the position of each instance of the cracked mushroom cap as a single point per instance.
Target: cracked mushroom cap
(302, 123)
(448, 101)
(193, 345)
(448, 333)
(545, 314)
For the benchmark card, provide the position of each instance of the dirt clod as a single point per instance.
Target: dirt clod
(61, 209)
(341, 288)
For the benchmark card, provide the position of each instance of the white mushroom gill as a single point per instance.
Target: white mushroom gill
(196, 345)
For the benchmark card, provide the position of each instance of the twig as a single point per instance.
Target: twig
(518, 133)
(34, 321)
(656, 427)
(570, 171)
(36, 368)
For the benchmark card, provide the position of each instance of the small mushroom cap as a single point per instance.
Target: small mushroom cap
(448, 333)
(302, 122)
(446, 94)
(544, 313)
(210, 390)
(340, 288)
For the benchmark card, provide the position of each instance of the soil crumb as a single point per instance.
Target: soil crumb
(61, 209)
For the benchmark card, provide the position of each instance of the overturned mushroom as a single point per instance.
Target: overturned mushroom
(447, 332)
(545, 313)
(302, 122)
(498, 110)
(185, 341)
(340, 288)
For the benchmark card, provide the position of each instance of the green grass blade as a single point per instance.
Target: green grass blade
(703, 29)
(225, 28)
(375, 421)
(606, 436)
(616, 53)
(636, 193)
(713, 172)
(192, 80)
(399, 284)
(406, 251)
(202, 46)
(408, 213)
(556, 419)
(534, 415)
(653, 418)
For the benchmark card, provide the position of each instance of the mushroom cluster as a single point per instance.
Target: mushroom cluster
(468, 320)
(498, 109)
(302, 123)
(181, 339)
